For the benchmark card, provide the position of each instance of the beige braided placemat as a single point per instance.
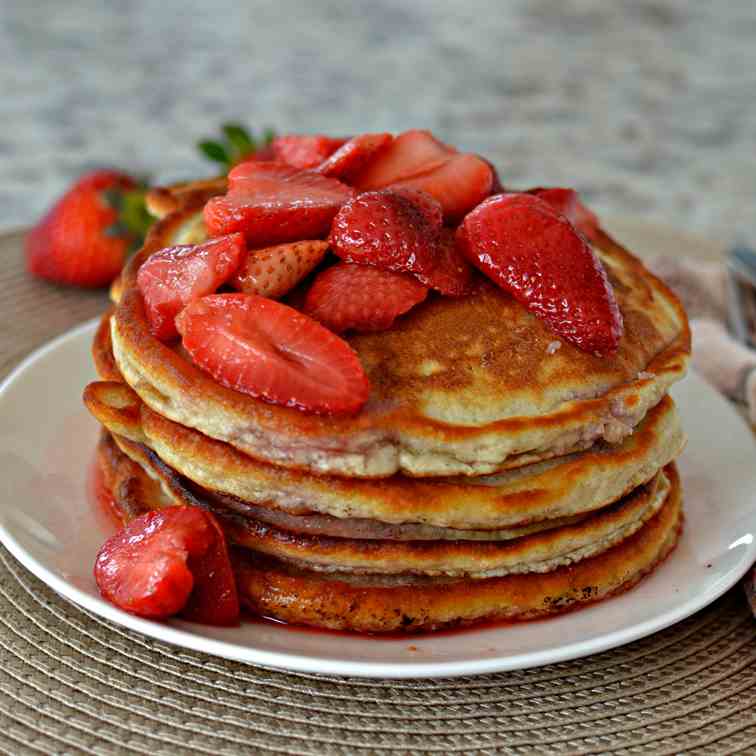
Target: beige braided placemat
(73, 683)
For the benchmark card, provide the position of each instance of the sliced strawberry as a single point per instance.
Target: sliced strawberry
(173, 277)
(354, 155)
(304, 150)
(451, 275)
(274, 271)
(147, 567)
(567, 202)
(271, 203)
(361, 298)
(214, 599)
(536, 255)
(385, 229)
(410, 154)
(459, 184)
(270, 351)
(429, 205)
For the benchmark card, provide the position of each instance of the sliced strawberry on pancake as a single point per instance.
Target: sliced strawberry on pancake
(567, 202)
(357, 297)
(533, 252)
(353, 155)
(272, 203)
(411, 153)
(387, 230)
(304, 150)
(451, 274)
(171, 278)
(459, 184)
(271, 351)
(275, 271)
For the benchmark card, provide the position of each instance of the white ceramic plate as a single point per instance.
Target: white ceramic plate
(48, 522)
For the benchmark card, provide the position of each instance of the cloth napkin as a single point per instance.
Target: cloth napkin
(725, 363)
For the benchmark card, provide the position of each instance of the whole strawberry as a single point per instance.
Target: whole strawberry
(81, 240)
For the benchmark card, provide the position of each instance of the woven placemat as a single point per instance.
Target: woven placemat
(71, 682)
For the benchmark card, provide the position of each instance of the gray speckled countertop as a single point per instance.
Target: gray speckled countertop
(648, 107)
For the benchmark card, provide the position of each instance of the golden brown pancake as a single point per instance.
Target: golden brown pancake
(379, 603)
(489, 508)
(458, 386)
(539, 552)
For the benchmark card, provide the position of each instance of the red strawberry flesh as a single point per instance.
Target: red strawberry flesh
(385, 229)
(214, 599)
(272, 352)
(354, 155)
(567, 202)
(535, 254)
(304, 151)
(173, 277)
(459, 184)
(274, 271)
(410, 154)
(272, 203)
(451, 275)
(428, 204)
(146, 568)
(361, 298)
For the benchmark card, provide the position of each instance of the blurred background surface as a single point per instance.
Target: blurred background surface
(647, 107)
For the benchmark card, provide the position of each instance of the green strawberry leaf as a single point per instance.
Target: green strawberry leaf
(239, 139)
(215, 151)
(236, 143)
(133, 219)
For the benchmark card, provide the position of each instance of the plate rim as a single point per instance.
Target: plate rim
(371, 669)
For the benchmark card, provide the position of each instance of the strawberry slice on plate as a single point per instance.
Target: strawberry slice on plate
(304, 150)
(272, 203)
(522, 244)
(567, 202)
(274, 271)
(273, 352)
(388, 230)
(353, 155)
(167, 561)
(171, 278)
(361, 298)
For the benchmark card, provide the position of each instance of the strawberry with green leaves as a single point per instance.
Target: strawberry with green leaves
(85, 237)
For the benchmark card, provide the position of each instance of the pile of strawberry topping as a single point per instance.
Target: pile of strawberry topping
(352, 234)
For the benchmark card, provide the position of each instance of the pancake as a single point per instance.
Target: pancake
(472, 507)
(539, 552)
(380, 603)
(458, 386)
(164, 200)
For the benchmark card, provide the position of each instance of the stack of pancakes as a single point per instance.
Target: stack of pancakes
(496, 471)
